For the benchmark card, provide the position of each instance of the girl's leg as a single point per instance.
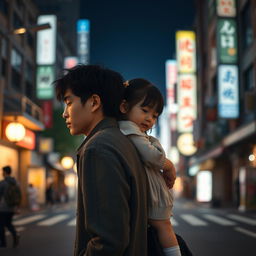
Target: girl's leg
(167, 237)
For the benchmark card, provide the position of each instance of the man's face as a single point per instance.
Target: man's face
(78, 117)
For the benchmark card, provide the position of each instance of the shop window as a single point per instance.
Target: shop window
(16, 63)
(247, 31)
(248, 79)
(17, 22)
(29, 81)
(3, 57)
(4, 7)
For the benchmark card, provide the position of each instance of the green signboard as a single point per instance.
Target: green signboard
(227, 41)
(45, 75)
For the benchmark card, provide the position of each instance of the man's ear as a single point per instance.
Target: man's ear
(124, 107)
(95, 102)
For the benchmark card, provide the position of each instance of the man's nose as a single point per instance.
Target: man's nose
(65, 114)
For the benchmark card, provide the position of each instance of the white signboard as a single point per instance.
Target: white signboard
(226, 8)
(228, 105)
(171, 79)
(186, 102)
(204, 186)
(46, 41)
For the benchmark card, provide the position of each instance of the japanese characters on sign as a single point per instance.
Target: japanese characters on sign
(187, 102)
(45, 75)
(226, 8)
(228, 91)
(83, 32)
(186, 51)
(227, 41)
(171, 79)
(46, 41)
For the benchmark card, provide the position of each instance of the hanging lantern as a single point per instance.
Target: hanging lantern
(67, 162)
(15, 131)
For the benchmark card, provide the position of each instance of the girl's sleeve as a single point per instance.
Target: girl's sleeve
(150, 150)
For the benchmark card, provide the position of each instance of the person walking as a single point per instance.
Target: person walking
(32, 197)
(112, 184)
(10, 197)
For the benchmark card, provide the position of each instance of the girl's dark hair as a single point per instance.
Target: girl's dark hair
(86, 80)
(140, 89)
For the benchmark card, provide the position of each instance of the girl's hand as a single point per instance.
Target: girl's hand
(169, 179)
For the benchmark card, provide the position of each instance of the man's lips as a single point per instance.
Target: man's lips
(68, 125)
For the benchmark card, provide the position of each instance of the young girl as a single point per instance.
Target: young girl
(142, 105)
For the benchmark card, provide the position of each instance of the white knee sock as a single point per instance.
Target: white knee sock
(172, 251)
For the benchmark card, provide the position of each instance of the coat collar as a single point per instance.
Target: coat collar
(105, 123)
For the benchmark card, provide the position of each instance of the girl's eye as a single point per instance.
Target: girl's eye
(155, 116)
(144, 110)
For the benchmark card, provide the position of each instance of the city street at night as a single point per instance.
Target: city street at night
(207, 231)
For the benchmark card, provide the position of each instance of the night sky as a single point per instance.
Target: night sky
(136, 37)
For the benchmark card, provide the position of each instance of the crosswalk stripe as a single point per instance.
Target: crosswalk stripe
(242, 219)
(219, 220)
(192, 220)
(53, 220)
(18, 229)
(245, 231)
(72, 222)
(174, 222)
(28, 219)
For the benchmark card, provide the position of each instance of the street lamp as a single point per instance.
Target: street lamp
(23, 30)
(67, 162)
(15, 131)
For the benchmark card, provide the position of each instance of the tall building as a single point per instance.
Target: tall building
(226, 123)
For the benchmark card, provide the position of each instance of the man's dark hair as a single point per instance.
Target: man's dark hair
(7, 169)
(86, 80)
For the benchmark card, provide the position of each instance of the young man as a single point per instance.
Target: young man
(112, 186)
(7, 211)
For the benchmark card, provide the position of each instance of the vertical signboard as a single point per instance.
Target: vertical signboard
(228, 91)
(226, 8)
(187, 102)
(186, 51)
(44, 77)
(48, 113)
(171, 80)
(227, 41)
(46, 41)
(83, 33)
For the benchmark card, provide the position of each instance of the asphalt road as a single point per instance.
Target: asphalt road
(208, 232)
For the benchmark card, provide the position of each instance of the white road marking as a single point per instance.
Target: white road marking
(53, 220)
(242, 219)
(18, 229)
(72, 222)
(174, 222)
(28, 219)
(192, 220)
(219, 220)
(246, 232)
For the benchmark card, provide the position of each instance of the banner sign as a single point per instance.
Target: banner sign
(187, 102)
(83, 32)
(46, 41)
(228, 106)
(186, 51)
(226, 8)
(45, 75)
(171, 80)
(227, 41)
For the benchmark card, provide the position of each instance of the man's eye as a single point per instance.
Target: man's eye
(68, 103)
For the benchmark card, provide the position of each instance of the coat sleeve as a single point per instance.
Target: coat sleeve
(150, 150)
(106, 195)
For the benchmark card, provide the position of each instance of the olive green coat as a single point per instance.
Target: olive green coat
(112, 195)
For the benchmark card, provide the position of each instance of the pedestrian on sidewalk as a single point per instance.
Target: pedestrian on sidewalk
(32, 197)
(10, 198)
(112, 184)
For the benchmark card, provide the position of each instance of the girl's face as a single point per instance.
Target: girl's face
(144, 117)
